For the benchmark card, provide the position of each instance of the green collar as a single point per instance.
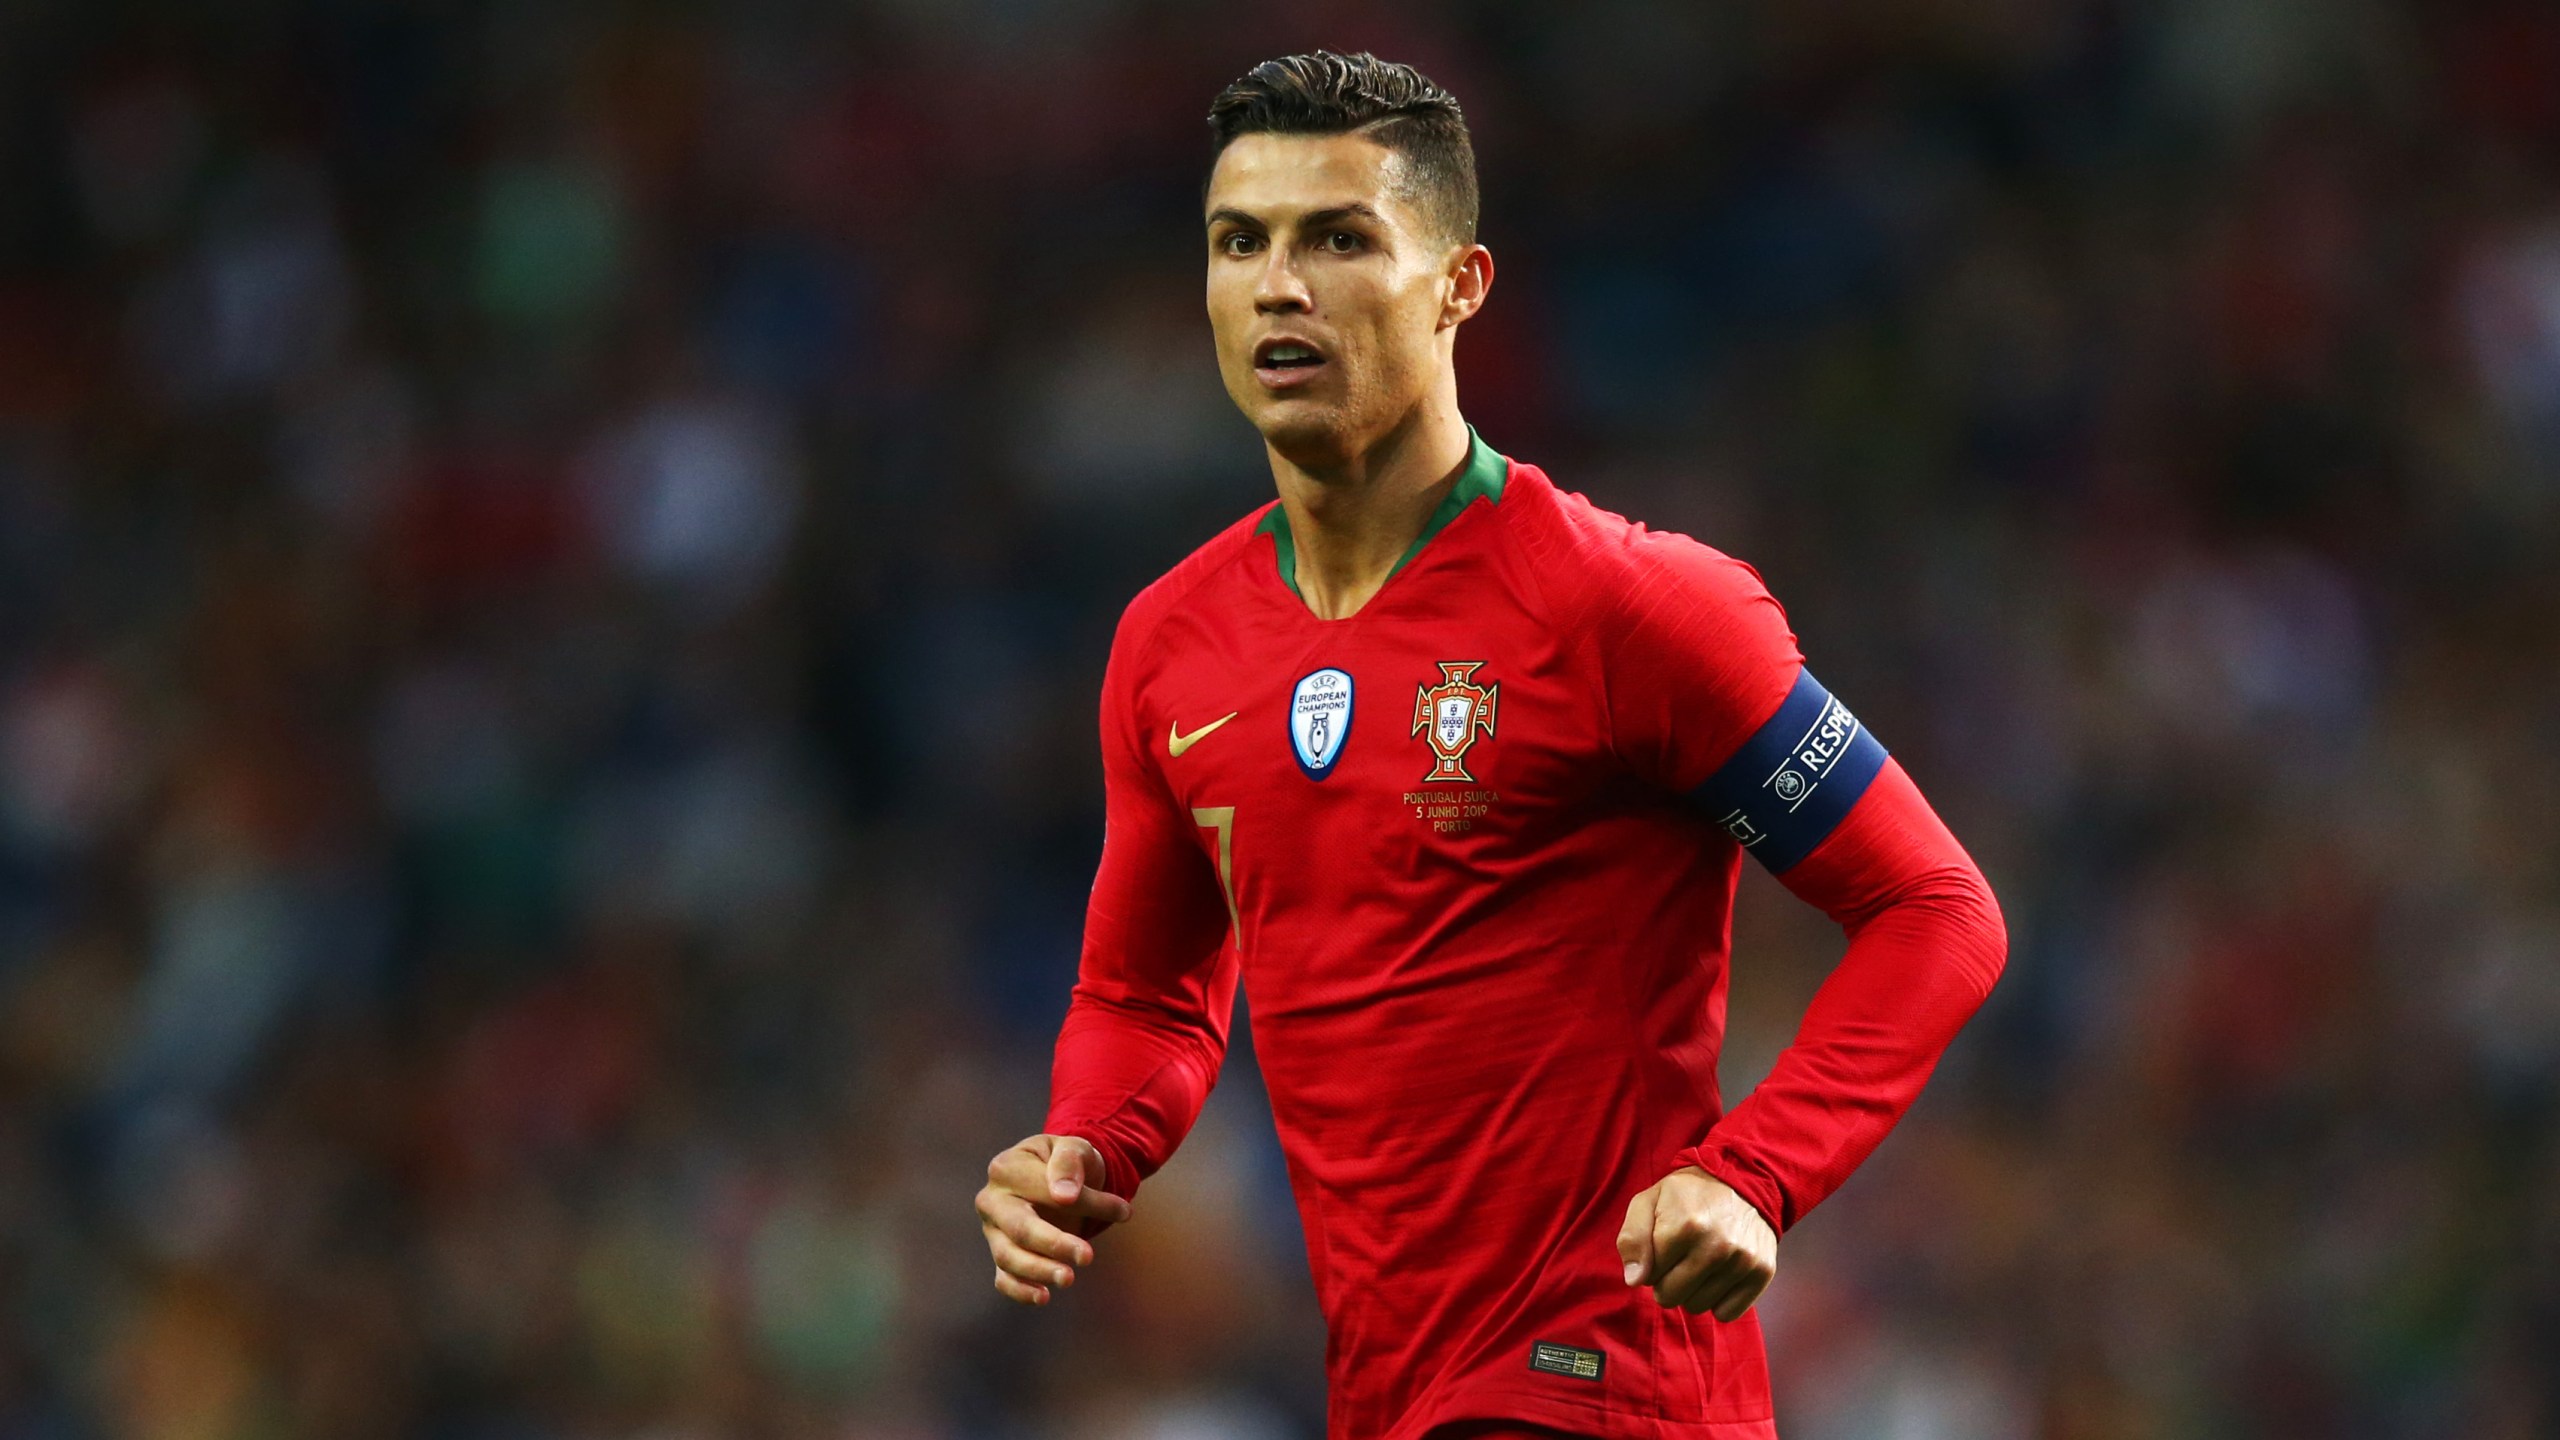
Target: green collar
(1483, 476)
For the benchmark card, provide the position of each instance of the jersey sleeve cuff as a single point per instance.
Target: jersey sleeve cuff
(1757, 1190)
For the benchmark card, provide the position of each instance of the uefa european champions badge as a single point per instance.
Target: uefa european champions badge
(1320, 721)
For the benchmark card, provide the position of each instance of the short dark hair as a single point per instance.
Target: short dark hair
(1397, 106)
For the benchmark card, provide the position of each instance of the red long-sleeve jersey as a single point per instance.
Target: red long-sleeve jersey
(1474, 851)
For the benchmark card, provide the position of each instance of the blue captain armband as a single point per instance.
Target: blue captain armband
(1793, 781)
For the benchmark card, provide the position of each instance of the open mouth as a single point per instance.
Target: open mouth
(1280, 363)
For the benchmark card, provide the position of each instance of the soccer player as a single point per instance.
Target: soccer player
(1457, 771)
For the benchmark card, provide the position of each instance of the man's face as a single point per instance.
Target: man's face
(1330, 294)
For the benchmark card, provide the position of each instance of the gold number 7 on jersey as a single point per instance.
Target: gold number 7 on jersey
(1222, 818)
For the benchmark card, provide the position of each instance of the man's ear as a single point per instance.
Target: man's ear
(1470, 280)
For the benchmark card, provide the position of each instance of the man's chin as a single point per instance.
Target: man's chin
(1314, 437)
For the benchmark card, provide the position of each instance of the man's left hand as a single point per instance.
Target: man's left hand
(1699, 1245)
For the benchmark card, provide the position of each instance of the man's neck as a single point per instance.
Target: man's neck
(1353, 523)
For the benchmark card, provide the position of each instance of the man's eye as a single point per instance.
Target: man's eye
(1238, 244)
(1340, 242)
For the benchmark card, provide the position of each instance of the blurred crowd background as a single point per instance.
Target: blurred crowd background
(555, 562)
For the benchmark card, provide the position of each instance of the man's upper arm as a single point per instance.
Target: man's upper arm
(1710, 698)
(1158, 914)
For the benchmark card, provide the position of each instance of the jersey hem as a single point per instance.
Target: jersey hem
(1601, 1422)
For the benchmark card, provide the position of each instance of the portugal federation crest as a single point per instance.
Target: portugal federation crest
(1451, 715)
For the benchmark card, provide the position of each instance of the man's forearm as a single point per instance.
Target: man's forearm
(1131, 1077)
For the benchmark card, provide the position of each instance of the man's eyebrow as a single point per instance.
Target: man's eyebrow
(1354, 211)
(1327, 216)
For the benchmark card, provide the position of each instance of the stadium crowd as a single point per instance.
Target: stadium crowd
(555, 562)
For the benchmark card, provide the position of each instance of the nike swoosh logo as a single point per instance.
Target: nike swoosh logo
(1177, 742)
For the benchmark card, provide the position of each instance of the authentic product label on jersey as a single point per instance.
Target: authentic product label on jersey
(1320, 720)
(1554, 1359)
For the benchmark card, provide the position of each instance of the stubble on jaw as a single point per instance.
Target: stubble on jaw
(1377, 389)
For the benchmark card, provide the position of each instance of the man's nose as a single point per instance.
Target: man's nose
(1279, 290)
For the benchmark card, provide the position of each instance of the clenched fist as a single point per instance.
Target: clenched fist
(1036, 1194)
(1699, 1245)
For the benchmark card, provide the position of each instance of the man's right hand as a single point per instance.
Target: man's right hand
(1039, 1193)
